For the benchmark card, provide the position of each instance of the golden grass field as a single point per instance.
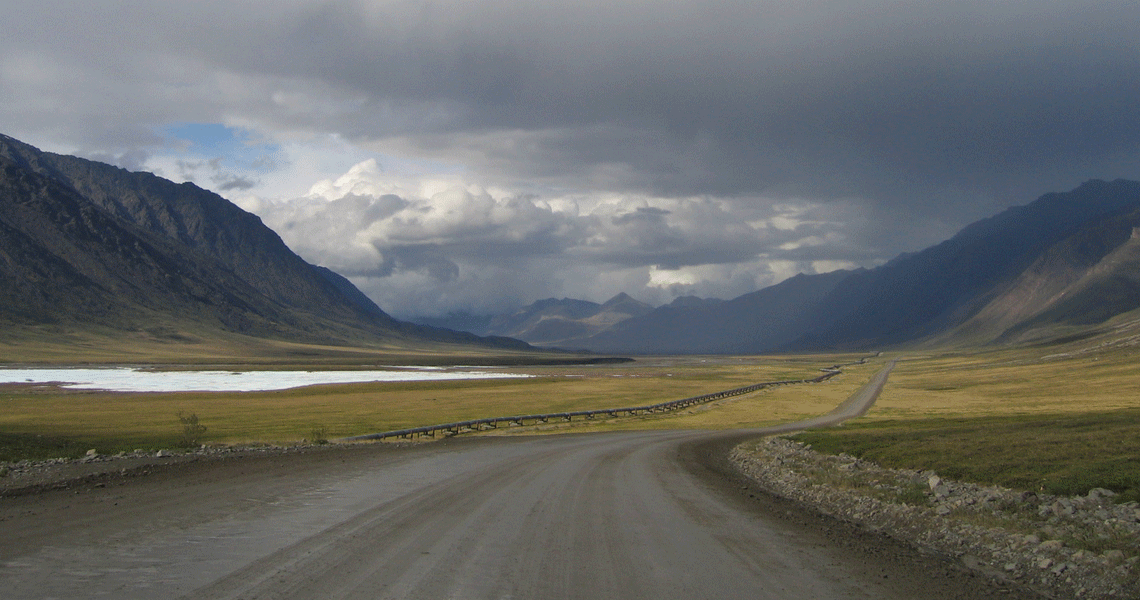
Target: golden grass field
(962, 407)
(1061, 419)
(150, 419)
(921, 386)
(1010, 382)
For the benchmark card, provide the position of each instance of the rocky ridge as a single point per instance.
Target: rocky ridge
(1063, 547)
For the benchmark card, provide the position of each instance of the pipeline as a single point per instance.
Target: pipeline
(519, 420)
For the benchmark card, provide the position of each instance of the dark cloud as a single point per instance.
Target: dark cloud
(720, 142)
(426, 259)
(892, 101)
(229, 182)
(889, 101)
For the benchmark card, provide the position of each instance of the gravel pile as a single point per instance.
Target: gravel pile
(1064, 547)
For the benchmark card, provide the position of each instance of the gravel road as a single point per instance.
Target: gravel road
(628, 515)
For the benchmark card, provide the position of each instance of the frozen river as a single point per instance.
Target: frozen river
(134, 379)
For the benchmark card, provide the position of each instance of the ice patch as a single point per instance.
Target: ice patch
(132, 379)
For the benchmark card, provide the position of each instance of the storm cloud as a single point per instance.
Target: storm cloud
(576, 148)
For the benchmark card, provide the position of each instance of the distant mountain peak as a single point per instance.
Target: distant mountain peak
(623, 299)
(626, 304)
(618, 299)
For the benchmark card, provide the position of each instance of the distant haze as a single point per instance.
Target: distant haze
(478, 156)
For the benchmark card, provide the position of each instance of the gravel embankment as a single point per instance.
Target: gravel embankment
(35, 476)
(1063, 547)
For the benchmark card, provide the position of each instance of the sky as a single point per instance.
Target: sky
(463, 155)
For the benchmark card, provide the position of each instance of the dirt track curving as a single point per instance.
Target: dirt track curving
(617, 515)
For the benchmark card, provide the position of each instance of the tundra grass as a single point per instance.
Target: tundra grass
(1056, 420)
(1010, 382)
(1059, 453)
(770, 406)
(107, 421)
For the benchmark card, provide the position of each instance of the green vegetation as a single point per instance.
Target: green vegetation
(1057, 380)
(103, 420)
(319, 435)
(1056, 453)
(16, 446)
(1060, 419)
(192, 430)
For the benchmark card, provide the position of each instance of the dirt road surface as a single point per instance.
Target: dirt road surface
(625, 515)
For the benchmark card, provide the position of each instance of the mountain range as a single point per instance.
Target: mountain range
(87, 245)
(1065, 262)
(551, 322)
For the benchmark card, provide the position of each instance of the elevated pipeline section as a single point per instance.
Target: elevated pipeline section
(520, 420)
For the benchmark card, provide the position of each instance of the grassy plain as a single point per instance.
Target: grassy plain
(1056, 453)
(1061, 419)
(1011, 382)
(110, 422)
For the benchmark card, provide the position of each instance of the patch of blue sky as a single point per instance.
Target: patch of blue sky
(233, 147)
(240, 163)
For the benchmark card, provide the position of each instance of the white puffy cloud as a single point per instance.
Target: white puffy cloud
(431, 246)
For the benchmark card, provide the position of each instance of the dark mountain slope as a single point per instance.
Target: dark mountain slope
(352, 294)
(201, 221)
(1056, 278)
(62, 258)
(1083, 297)
(750, 323)
(943, 286)
(89, 244)
(1110, 288)
(982, 277)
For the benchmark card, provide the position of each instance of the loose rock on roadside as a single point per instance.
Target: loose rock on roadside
(1077, 547)
(34, 476)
